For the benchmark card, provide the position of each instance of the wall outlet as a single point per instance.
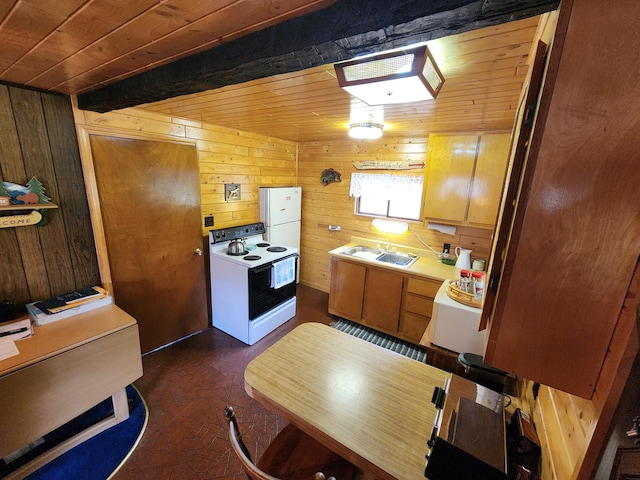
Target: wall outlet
(446, 248)
(208, 221)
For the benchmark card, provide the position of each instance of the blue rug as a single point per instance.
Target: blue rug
(97, 458)
(389, 342)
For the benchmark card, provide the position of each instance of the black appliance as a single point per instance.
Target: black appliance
(468, 438)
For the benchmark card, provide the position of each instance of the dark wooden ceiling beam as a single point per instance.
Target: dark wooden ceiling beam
(339, 32)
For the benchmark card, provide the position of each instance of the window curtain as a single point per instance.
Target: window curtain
(385, 186)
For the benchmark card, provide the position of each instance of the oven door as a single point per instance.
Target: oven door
(262, 297)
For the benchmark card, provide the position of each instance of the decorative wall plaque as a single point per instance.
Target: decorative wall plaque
(23, 197)
(330, 175)
(231, 192)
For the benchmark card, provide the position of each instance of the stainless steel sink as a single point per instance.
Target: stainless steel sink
(400, 259)
(360, 248)
(374, 254)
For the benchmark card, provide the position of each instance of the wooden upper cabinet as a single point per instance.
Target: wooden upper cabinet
(464, 178)
(574, 239)
(488, 178)
(450, 161)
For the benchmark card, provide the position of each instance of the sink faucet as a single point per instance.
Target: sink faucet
(389, 248)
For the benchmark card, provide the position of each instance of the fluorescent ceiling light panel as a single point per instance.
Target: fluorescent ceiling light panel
(401, 76)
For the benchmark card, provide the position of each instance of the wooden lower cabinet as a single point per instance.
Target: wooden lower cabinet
(418, 306)
(347, 289)
(387, 300)
(382, 300)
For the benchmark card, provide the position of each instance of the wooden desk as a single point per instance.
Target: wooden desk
(63, 370)
(368, 404)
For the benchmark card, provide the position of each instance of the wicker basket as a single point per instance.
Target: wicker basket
(463, 297)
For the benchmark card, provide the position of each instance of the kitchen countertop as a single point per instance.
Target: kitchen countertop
(427, 265)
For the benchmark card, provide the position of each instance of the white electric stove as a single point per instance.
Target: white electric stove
(253, 292)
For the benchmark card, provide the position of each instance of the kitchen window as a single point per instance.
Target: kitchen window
(386, 195)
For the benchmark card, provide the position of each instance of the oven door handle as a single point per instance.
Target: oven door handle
(270, 264)
(261, 269)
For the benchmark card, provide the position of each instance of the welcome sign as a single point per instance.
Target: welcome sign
(20, 220)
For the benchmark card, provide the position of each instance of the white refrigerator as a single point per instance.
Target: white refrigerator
(280, 211)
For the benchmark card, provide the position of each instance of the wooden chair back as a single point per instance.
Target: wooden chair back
(242, 452)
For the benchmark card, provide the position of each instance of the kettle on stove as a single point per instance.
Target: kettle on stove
(464, 258)
(236, 247)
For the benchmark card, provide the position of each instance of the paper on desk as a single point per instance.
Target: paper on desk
(7, 348)
(16, 330)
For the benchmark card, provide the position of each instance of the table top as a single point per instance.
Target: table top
(367, 403)
(62, 335)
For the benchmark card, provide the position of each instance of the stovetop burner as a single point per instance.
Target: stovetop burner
(239, 254)
(257, 251)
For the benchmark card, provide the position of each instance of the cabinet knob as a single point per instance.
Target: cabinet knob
(198, 252)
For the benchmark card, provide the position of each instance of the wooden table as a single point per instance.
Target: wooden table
(63, 370)
(370, 405)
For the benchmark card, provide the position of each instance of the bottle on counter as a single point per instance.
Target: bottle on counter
(478, 285)
(464, 283)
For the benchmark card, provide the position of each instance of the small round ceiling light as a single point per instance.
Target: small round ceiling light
(366, 131)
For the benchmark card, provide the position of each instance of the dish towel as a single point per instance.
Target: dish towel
(283, 272)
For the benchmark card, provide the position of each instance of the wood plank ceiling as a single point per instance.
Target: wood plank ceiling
(72, 46)
(77, 46)
(484, 70)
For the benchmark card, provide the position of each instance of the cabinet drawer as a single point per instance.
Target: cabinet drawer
(420, 305)
(428, 288)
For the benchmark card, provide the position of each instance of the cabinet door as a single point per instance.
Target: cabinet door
(347, 289)
(575, 235)
(382, 299)
(450, 162)
(414, 326)
(488, 178)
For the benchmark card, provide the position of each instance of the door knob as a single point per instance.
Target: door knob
(198, 252)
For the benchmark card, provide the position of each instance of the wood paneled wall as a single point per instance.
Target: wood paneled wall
(38, 139)
(331, 205)
(233, 156)
(225, 156)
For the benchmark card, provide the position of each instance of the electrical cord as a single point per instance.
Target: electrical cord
(438, 254)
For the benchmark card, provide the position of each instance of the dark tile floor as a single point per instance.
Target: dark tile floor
(187, 385)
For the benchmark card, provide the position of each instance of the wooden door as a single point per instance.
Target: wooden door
(149, 195)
